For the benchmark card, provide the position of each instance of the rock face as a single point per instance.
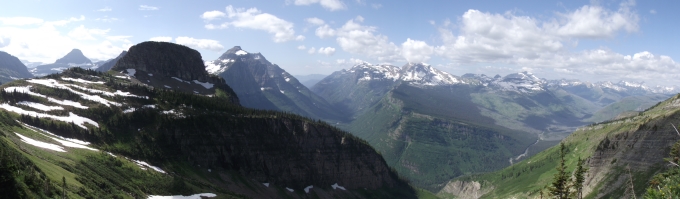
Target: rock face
(74, 57)
(109, 64)
(11, 68)
(169, 59)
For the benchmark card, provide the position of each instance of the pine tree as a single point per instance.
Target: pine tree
(63, 188)
(560, 187)
(579, 178)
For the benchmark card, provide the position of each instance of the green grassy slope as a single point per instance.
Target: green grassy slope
(639, 143)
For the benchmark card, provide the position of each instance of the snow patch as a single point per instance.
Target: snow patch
(206, 84)
(78, 120)
(166, 86)
(181, 80)
(195, 196)
(241, 52)
(143, 164)
(336, 186)
(289, 189)
(266, 184)
(39, 106)
(131, 72)
(40, 144)
(81, 80)
(308, 187)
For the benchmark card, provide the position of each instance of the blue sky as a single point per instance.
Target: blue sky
(589, 40)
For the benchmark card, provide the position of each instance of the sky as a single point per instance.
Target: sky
(597, 40)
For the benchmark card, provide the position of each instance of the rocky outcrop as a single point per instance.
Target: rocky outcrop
(168, 59)
(465, 190)
(158, 63)
(11, 68)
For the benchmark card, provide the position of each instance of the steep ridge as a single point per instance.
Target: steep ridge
(169, 65)
(178, 142)
(263, 85)
(75, 58)
(616, 152)
(11, 68)
(108, 64)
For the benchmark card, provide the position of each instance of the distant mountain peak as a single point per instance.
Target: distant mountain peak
(75, 58)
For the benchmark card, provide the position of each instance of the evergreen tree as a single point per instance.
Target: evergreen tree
(560, 184)
(579, 178)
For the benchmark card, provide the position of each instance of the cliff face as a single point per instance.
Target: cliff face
(169, 59)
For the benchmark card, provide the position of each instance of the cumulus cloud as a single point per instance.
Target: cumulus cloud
(358, 39)
(315, 21)
(107, 19)
(146, 7)
(311, 50)
(300, 38)
(331, 5)
(328, 51)
(324, 31)
(46, 41)
(252, 18)
(301, 47)
(206, 44)
(211, 15)
(163, 39)
(652, 11)
(598, 22)
(415, 51)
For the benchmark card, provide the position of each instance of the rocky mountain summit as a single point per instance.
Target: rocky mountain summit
(263, 85)
(11, 68)
(75, 58)
(172, 66)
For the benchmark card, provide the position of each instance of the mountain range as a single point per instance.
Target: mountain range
(159, 124)
(75, 58)
(11, 68)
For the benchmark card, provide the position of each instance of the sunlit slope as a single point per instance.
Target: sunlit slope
(638, 143)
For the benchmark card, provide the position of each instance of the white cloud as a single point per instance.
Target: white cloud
(211, 15)
(300, 38)
(311, 50)
(4, 41)
(206, 44)
(107, 19)
(598, 22)
(328, 51)
(82, 33)
(331, 5)
(415, 51)
(315, 21)
(358, 39)
(49, 40)
(146, 7)
(376, 5)
(301, 47)
(163, 39)
(324, 31)
(20, 21)
(253, 18)
(652, 11)
(105, 9)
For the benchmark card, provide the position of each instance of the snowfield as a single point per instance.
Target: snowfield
(40, 144)
(39, 106)
(195, 196)
(78, 120)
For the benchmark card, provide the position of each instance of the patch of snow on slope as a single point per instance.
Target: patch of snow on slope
(289, 189)
(26, 89)
(144, 164)
(211, 67)
(40, 144)
(81, 80)
(131, 72)
(195, 196)
(78, 120)
(39, 106)
(308, 187)
(54, 84)
(266, 184)
(181, 80)
(336, 186)
(206, 84)
(241, 52)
